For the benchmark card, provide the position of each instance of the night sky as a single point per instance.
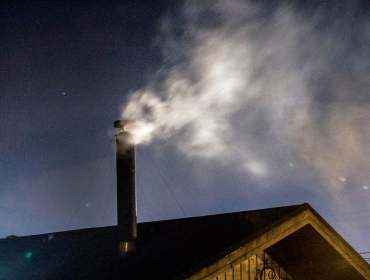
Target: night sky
(242, 105)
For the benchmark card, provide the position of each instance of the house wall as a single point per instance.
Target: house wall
(257, 267)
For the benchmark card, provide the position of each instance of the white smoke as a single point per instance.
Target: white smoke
(260, 89)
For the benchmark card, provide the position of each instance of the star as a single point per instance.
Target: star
(342, 179)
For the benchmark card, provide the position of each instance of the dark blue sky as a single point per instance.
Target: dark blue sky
(66, 70)
(255, 104)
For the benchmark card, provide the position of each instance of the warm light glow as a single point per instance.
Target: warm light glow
(142, 131)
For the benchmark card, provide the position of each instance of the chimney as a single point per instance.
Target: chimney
(126, 202)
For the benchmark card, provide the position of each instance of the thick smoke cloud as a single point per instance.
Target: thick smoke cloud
(271, 90)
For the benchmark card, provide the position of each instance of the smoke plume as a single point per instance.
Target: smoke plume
(277, 90)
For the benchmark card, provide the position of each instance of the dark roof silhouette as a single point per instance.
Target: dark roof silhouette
(164, 250)
(171, 249)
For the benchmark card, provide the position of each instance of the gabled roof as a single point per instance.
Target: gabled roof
(302, 242)
(167, 249)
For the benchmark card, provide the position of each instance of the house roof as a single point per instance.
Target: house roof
(164, 249)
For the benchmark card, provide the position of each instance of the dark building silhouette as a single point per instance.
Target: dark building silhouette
(291, 242)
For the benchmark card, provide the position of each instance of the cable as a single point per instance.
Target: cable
(106, 204)
(146, 202)
(90, 184)
(173, 195)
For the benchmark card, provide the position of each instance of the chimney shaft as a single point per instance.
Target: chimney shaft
(126, 202)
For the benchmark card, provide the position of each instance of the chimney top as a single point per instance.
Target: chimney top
(122, 123)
